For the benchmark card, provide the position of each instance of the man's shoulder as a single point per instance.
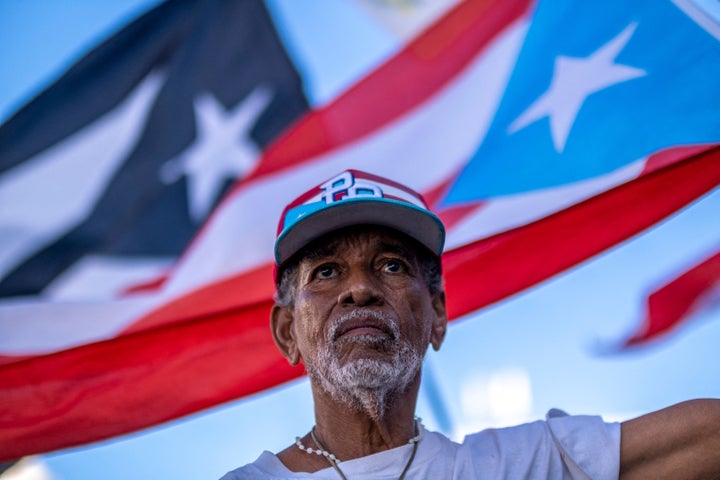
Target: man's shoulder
(556, 426)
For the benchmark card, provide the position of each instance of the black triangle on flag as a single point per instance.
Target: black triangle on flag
(134, 145)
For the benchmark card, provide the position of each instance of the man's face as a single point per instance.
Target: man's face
(362, 315)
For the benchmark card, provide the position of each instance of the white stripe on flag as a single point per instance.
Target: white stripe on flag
(37, 208)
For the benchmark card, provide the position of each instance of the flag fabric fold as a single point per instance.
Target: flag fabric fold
(674, 304)
(534, 130)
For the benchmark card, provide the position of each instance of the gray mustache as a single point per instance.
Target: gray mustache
(359, 314)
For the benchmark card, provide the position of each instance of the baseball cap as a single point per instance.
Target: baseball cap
(352, 198)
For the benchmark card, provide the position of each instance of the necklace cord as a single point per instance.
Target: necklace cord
(407, 465)
(334, 460)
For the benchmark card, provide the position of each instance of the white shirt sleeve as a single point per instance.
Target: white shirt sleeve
(562, 447)
(586, 455)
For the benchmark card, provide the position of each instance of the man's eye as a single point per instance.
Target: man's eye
(394, 266)
(324, 271)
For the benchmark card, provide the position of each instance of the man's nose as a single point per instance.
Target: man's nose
(361, 289)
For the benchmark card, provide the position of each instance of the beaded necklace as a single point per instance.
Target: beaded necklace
(334, 460)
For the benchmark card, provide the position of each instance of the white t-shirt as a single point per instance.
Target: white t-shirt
(572, 447)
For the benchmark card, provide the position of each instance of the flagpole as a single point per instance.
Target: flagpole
(431, 389)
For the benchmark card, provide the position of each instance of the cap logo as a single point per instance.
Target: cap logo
(352, 198)
(346, 186)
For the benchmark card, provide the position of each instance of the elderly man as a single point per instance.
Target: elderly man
(359, 300)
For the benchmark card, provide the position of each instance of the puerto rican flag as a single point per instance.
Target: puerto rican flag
(140, 192)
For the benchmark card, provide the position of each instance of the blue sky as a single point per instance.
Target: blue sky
(512, 362)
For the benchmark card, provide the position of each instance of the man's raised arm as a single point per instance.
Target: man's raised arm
(682, 441)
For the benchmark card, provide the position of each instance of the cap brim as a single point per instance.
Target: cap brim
(420, 224)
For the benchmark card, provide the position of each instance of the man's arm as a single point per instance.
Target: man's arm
(682, 441)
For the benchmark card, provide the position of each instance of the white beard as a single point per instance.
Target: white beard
(366, 384)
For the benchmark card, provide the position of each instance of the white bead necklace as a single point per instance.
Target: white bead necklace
(334, 460)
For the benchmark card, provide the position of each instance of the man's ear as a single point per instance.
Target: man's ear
(281, 323)
(439, 326)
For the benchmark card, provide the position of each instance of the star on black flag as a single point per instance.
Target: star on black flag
(115, 166)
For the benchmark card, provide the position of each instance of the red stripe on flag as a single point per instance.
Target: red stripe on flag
(391, 90)
(241, 291)
(490, 270)
(72, 397)
(5, 359)
(675, 302)
(666, 157)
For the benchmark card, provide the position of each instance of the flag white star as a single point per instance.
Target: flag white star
(222, 149)
(575, 79)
